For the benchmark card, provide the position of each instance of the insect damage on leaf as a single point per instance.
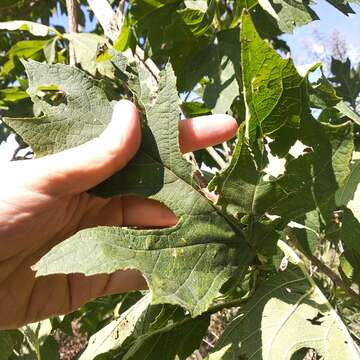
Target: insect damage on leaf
(273, 89)
(79, 113)
(310, 181)
(209, 250)
(51, 93)
(217, 255)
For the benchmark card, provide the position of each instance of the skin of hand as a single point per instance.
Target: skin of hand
(44, 201)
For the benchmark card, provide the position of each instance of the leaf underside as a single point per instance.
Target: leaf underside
(285, 315)
(186, 264)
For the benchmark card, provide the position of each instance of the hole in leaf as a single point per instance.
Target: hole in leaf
(317, 320)
(52, 94)
(305, 354)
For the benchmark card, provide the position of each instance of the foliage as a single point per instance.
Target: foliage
(262, 246)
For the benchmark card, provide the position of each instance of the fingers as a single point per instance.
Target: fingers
(146, 213)
(129, 211)
(204, 131)
(125, 281)
(84, 288)
(80, 168)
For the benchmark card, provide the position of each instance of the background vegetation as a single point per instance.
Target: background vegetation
(289, 288)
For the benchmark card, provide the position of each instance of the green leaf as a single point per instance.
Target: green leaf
(177, 341)
(49, 350)
(343, 6)
(193, 109)
(126, 39)
(32, 27)
(323, 94)
(223, 71)
(6, 345)
(350, 266)
(150, 332)
(249, 195)
(113, 335)
(309, 233)
(289, 14)
(85, 47)
(347, 191)
(323, 168)
(347, 80)
(350, 231)
(24, 49)
(313, 178)
(244, 176)
(186, 264)
(60, 118)
(149, 20)
(50, 51)
(273, 89)
(12, 94)
(284, 138)
(307, 184)
(347, 111)
(288, 312)
(198, 21)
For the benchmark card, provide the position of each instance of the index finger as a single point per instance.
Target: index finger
(205, 131)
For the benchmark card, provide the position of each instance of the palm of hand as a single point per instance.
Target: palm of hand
(25, 298)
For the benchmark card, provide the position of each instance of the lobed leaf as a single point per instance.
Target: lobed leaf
(186, 264)
(287, 313)
(309, 180)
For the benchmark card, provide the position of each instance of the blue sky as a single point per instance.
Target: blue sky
(305, 45)
(312, 42)
(61, 19)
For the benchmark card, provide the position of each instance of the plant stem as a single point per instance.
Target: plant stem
(336, 279)
(227, 150)
(110, 22)
(120, 13)
(73, 28)
(106, 17)
(199, 178)
(295, 259)
(218, 159)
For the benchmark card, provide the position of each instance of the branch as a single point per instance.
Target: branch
(120, 13)
(218, 159)
(106, 17)
(336, 279)
(111, 23)
(73, 27)
(227, 150)
(199, 178)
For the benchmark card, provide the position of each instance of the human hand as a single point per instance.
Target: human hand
(44, 201)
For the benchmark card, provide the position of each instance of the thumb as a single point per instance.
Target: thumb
(81, 168)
